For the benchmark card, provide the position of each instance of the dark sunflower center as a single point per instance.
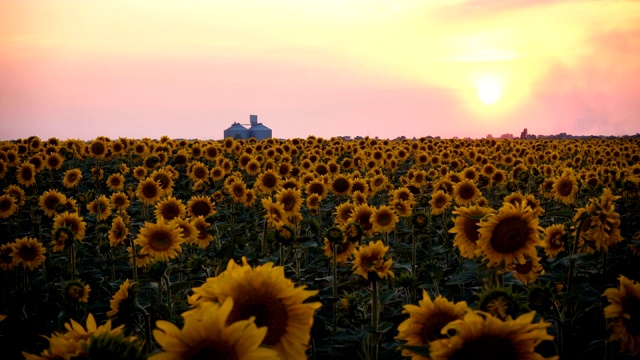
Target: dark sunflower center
(509, 235)
(556, 240)
(163, 180)
(238, 190)
(439, 202)
(288, 202)
(564, 187)
(27, 253)
(432, 326)
(201, 208)
(268, 310)
(631, 306)
(72, 177)
(185, 231)
(466, 192)
(357, 187)
(524, 268)
(200, 172)
(26, 174)
(341, 185)
(211, 349)
(470, 229)
(150, 190)
(75, 291)
(160, 241)
(115, 181)
(97, 148)
(170, 211)
(488, 347)
(384, 219)
(5, 204)
(275, 213)
(53, 161)
(119, 201)
(269, 181)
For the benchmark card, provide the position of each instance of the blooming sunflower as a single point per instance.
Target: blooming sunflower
(482, 336)
(275, 214)
(370, 261)
(73, 221)
(238, 190)
(343, 212)
(170, 208)
(72, 178)
(426, 321)
(140, 173)
(98, 148)
(188, 231)
(115, 182)
(553, 241)
(49, 200)
(198, 171)
(624, 303)
(209, 334)
(164, 178)
(6, 260)
(465, 192)
(291, 200)
(28, 252)
(17, 193)
(440, 202)
(100, 207)
(149, 191)
(200, 206)
(7, 206)
(118, 232)
(76, 291)
(362, 215)
(528, 272)
(466, 229)
(317, 187)
(267, 295)
(340, 185)
(403, 194)
(268, 182)
(384, 219)
(509, 236)
(119, 201)
(62, 237)
(26, 174)
(161, 241)
(119, 297)
(344, 251)
(202, 236)
(565, 187)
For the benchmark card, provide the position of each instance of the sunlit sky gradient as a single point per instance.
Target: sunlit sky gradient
(81, 69)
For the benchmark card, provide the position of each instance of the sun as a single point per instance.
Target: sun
(489, 90)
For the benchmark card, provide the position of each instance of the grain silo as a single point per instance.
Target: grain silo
(257, 130)
(236, 131)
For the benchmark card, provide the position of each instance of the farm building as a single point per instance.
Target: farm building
(256, 130)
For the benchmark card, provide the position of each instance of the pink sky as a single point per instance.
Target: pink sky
(81, 69)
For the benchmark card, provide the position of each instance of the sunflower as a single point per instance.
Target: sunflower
(344, 251)
(119, 201)
(170, 208)
(362, 215)
(217, 173)
(98, 148)
(17, 193)
(188, 231)
(340, 185)
(343, 212)
(198, 171)
(440, 202)
(200, 206)
(528, 272)
(118, 232)
(72, 178)
(317, 187)
(238, 191)
(267, 182)
(202, 236)
(603, 226)
(6, 260)
(510, 236)
(465, 192)
(50, 200)
(7, 206)
(359, 185)
(291, 200)
(384, 219)
(624, 303)
(370, 261)
(403, 194)
(275, 214)
(482, 336)
(466, 229)
(427, 320)
(265, 294)
(161, 241)
(100, 207)
(119, 297)
(149, 191)
(26, 174)
(378, 183)
(72, 221)
(210, 334)
(164, 178)
(76, 291)
(565, 188)
(115, 182)
(553, 241)
(140, 173)
(28, 252)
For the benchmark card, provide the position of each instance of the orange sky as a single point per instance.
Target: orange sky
(80, 69)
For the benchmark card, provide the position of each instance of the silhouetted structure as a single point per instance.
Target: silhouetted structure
(256, 130)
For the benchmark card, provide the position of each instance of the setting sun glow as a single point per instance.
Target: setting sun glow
(489, 90)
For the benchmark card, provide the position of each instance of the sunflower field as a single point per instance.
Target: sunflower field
(320, 248)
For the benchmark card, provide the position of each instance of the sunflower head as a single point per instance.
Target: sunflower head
(371, 262)
(76, 291)
(335, 235)
(420, 220)
(500, 302)
(62, 237)
(285, 235)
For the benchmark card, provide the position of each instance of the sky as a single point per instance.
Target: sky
(449, 68)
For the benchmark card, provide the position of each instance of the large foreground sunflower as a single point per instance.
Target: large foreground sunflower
(208, 334)
(426, 321)
(481, 336)
(161, 241)
(510, 236)
(624, 314)
(267, 295)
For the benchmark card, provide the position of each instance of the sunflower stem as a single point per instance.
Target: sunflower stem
(414, 250)
(264, 237)
(335, 287)
(375, 314)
